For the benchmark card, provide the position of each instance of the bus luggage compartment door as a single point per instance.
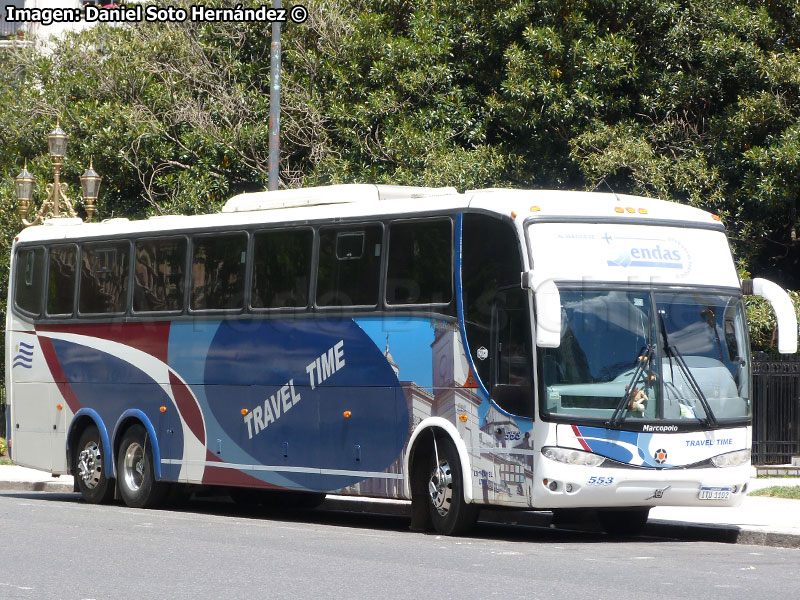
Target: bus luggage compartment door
(35, 426)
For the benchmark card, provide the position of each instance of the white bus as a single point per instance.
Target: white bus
(526, 349)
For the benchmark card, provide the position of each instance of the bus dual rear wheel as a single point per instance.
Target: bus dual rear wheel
(135, 473)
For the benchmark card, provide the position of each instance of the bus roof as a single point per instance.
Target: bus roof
(352, 201)
(554, 205)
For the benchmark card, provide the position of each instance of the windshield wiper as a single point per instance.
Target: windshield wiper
(619, 411)
(673, 352)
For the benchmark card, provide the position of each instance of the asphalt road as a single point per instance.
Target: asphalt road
(56, 547)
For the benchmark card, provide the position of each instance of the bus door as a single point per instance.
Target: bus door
(497, 327)
(512, 391)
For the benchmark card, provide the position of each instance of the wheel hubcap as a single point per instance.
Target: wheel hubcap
(90, 465)
(133, 467)
(440, 487)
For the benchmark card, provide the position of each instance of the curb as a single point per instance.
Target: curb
(698, 532)
(61, 487)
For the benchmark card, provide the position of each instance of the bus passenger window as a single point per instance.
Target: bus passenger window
(218, 268)
(420, 267)
(104, 278)
(30, 278)
(282, 268)
(61, 280)
(349, 266)
(158, 275)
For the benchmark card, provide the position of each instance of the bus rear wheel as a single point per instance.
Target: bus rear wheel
(90, 467)
(450, 513)
(135, 473)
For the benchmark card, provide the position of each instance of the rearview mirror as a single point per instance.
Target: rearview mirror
(548, 309)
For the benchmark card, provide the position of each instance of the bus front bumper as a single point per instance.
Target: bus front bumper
(558, 485)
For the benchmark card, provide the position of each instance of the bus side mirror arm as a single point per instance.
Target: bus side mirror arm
(548, 309)
(783, 307)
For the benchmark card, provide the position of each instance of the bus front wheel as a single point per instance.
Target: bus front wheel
(90, 467)
(450, 513)
(135, 473)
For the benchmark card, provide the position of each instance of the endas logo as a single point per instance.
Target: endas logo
(660, 456)
(645, 253)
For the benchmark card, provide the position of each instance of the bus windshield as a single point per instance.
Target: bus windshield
(648, 355)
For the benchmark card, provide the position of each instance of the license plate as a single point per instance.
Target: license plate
(715, 493)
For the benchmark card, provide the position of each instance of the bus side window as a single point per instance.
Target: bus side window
(218, 269)
(30, 280)
(420, 266)
(348, 273)
(104, 278)
(282, 268)
(158, 274)
(61, 280)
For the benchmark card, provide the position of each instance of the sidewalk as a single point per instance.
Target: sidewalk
(757, 521)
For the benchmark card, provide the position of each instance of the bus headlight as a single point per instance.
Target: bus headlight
(731, 459)
(573, 457)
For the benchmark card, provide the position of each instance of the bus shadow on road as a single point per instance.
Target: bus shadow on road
(488, 527)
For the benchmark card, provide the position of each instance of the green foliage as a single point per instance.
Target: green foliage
(696, 102)
(791, 492)
(395, 93)
(3, 447)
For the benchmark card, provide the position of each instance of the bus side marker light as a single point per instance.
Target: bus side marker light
(619, 209)
(642, 211)
(535, 208)
(163, 409)
(463, 417)
(716, 217)
(59, 407)
(347, 414)
(630, 209)
(245, 412)
(513, 215)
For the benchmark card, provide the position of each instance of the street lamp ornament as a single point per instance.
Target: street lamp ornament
(90, 187)
(24, 186)
(57, 204)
